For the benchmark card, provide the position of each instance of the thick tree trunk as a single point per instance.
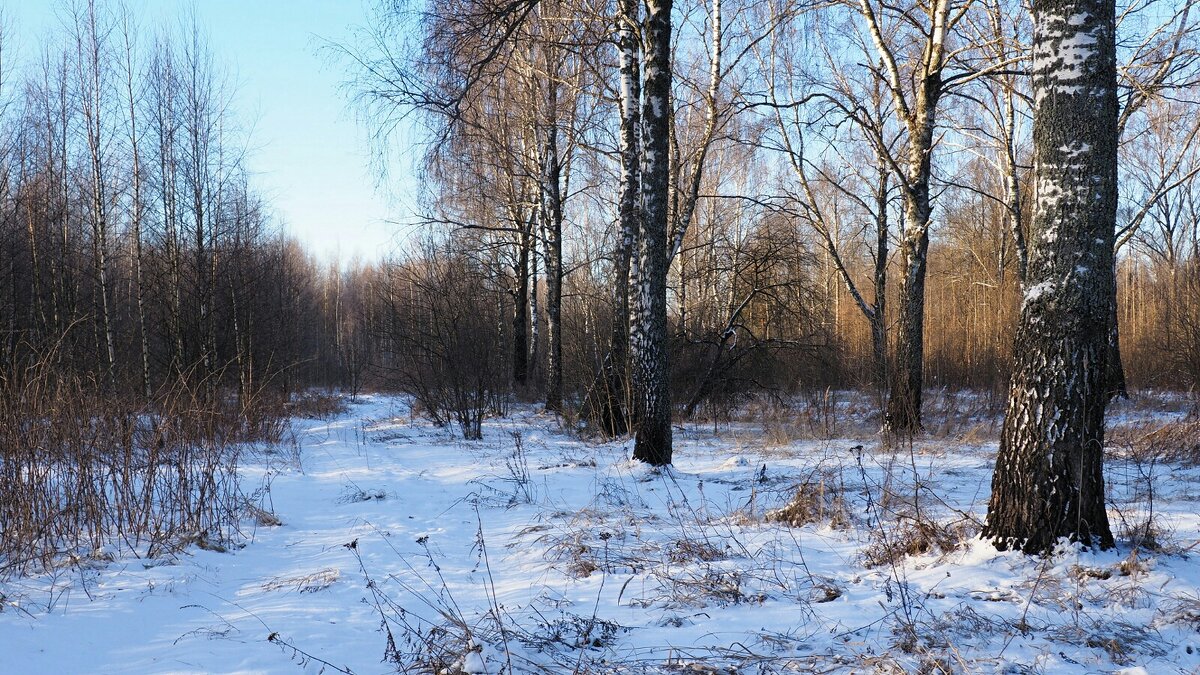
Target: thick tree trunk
(1049, 480)
(649, 340)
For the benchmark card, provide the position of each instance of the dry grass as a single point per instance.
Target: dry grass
(83, 472)
(820, 501)
(1175, 441)
(916, 536)
(305, 583)
(316, 405)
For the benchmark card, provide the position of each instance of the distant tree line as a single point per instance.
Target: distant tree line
(134, 249)
(154, 318)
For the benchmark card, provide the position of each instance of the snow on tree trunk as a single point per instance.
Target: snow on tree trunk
(1049, 480)
(607, 404)
(651, 370)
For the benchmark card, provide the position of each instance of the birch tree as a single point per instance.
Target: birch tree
(136, 195)
(607, 402)
(1049, 480)
(916, 91)
(651, 368)
(92, 61)
(844, 190)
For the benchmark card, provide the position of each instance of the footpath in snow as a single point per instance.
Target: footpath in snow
(403, 548)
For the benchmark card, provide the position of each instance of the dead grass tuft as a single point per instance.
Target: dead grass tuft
(822, 501)
(914, 536)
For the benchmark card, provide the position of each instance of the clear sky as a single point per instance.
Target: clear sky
(310, 157)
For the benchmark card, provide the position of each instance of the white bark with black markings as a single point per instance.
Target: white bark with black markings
(1049, 480)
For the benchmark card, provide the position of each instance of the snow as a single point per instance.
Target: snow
(1062, 50)
(1035, 292)
(595, 562)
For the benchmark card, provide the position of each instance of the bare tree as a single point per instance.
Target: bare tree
(92, 60)
(843, 190)
(607, 402)
(136, 196)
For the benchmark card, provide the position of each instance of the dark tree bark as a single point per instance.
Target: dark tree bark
(520, 319)
(651, 370)
(552, 233)
(1049, 480)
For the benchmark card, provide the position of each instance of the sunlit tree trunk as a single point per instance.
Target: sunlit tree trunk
(607, 403)
(651, 370)
(1049, 480)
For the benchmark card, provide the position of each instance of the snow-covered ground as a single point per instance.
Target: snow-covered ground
(534, 551)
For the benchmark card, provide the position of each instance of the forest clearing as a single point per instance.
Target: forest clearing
(786, 542)
(600, 336)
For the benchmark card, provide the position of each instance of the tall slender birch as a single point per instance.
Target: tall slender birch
(91, 66)
(651, 369)
(607, 401)
(136, 201)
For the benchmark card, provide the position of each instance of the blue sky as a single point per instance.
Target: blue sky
(310, 157)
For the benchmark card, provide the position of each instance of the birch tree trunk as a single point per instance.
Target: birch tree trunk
(90, 52)
(651, 369)
(1049, 480)
(607, 403)
(136, 206)
(916, 95)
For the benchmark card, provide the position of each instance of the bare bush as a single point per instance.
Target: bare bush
(443, 346)
(316, 405)
(84, 474)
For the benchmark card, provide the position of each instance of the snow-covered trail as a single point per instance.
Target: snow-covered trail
(596, 562)
(213, 612)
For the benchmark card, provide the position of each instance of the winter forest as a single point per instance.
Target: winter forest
(724, 336)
